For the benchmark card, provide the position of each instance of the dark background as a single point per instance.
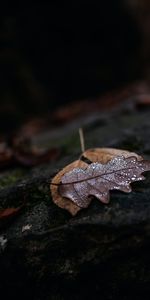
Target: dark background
(52, 53)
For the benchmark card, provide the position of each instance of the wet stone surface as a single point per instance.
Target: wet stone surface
(103, 252)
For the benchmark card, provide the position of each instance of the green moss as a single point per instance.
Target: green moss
(9, 178)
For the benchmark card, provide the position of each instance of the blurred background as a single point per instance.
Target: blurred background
(54, 53)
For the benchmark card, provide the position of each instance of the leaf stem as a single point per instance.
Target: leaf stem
(82, 143)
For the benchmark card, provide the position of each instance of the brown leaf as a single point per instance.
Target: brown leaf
(97, 155)
(7, 214)
(103, 155)
(58, 199)
(97, 179)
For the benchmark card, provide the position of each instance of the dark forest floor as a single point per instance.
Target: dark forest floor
(103, 252)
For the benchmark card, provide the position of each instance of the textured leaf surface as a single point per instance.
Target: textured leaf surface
(97, 179)
(56, 196)
(103, 155)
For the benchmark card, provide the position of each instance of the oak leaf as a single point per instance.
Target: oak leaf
(103, 155)
(85, 177)
(79, 184)
(56, 181)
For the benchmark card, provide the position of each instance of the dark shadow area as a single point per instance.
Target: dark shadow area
(52, 53)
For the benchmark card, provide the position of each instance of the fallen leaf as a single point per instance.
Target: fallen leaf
(97, 179)
(96, 155)
(7, 214)
(58, 199)
(103, 155)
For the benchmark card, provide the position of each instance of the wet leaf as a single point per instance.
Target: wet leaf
(105, 159)
(58, 199)
(97, 179)
(103, 155)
